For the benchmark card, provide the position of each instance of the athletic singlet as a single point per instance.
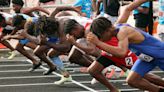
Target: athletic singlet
(150, 46)
(126, 61)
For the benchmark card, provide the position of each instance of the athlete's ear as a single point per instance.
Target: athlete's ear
(111, 28)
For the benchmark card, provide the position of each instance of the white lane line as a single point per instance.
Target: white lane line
(5, 61)
(155, 71)
(25, 77)
(13, 71)
(75, 82)
(30, 77)
(126, 90)
(21, 85)
(15, 65)
(160, 71)
(31, 65)
(66, 68)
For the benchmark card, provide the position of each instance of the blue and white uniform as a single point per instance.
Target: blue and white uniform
(151, 47)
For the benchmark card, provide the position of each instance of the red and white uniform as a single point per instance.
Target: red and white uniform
(126, 61)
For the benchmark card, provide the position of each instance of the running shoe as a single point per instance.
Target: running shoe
(13, 54)
(35, 66)
(49, 71)
(94, 81)
(62, 80)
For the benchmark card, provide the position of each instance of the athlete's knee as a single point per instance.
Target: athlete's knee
(52, 53)
(37, 52)
(19, 47)
(74, 59)
(131, 81)
(92, 72)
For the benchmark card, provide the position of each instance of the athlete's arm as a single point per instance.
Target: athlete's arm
(119, 51)
(124, 15)
(16, 36)
(63, 44)
(64, 8)
(25, 34)
(88, 48)
(30, 10)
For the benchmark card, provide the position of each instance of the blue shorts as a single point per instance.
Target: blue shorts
(142, 67)
(24, 41)
(53, 39)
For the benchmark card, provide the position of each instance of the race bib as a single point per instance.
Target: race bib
(129, 61)
(145, 57)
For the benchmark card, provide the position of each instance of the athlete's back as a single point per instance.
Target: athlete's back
(150, 46)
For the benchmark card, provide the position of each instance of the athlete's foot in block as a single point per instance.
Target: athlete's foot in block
(49, 71)
(13, 54)
(63, 80)
(35, 66)
(94, 81)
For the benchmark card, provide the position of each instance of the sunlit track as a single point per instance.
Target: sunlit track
(14, 78)
(75, 82)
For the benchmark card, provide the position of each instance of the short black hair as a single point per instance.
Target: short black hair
(18, 2)
(1, 18)
(47, 25)
(17, 20)
(100, 25)
(69, 25)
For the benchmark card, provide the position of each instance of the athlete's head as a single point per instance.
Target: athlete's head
(18, 22)
(48, 26)
(2, 21)
(102, 28)
(17, 5)
(72, 27)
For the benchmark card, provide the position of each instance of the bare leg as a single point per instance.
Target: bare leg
(135, 80)
(5, 43)
(155, 79)
(20, 48)
(40, 52)
(31, 45)
(78, 57)
(95, 70)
